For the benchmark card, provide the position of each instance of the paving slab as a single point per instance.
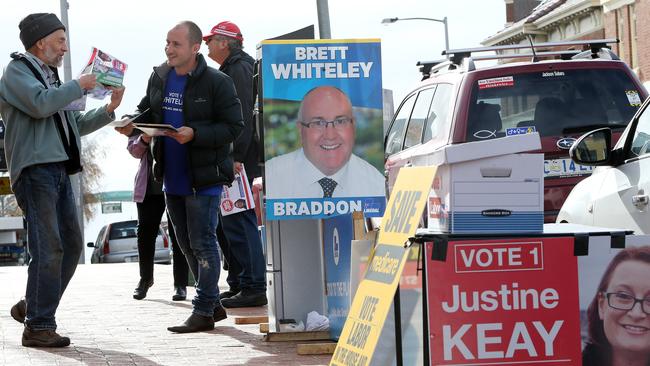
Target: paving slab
(108, 327)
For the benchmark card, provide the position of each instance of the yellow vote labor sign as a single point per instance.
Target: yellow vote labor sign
(375, 293)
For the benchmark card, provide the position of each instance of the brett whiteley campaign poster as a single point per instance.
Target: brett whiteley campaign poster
(323, 128)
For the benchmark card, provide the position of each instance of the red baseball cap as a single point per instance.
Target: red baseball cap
(227, 29)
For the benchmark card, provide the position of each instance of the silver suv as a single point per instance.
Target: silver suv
(118, 243)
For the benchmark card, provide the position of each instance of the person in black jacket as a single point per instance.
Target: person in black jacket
(195, 161)
(240, 241)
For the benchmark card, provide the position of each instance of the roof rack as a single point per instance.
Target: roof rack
(430, 67)
(596, 48)
(565, 55)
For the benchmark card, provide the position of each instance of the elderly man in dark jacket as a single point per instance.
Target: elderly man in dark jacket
(240, 242)
(195, 161)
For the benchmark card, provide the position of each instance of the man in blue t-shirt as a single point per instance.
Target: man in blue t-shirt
(195, 161)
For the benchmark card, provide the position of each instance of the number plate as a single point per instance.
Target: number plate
(131, 259)
(565, 168)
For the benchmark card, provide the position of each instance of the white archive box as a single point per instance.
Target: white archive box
(485, 188)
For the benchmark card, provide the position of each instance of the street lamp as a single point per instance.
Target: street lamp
(443, 21)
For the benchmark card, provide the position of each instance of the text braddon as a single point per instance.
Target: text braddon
(315, 207)
(317, 65)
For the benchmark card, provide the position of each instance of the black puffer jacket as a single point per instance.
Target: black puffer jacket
(239, 66)
(212, 109)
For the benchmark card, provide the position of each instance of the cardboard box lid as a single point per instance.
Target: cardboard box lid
(475, 150)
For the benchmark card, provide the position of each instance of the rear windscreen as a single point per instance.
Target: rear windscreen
(122, 230)
(554, 102)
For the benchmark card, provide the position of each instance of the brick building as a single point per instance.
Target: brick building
(569, 20)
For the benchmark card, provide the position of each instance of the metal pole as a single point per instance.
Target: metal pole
(323, 19)
(77, 179)
(67, 68)
(444, 21)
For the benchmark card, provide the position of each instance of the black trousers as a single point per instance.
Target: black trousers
(150, 213)
(230, 263)
(181, 268)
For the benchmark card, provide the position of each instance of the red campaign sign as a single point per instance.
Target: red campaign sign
(504, 302)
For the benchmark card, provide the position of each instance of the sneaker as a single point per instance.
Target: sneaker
(228, 294)
(243, 300)
(43, 338)
(219, 314)
(18, 311)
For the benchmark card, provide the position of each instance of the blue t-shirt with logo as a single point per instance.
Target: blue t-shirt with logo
(177, 172)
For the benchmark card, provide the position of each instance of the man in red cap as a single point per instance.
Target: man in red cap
(240, 240)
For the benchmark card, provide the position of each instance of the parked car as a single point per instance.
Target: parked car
(118, 243)
(616, 194)
(457, 102)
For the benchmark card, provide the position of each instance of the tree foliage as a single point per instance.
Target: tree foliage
(91, 154)
(91, 178)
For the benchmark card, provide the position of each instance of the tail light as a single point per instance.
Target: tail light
(107, 248)
(165, 240)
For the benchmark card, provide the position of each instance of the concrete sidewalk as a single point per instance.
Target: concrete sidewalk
(108, 327)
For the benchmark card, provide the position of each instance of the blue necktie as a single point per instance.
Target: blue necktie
(328, 186)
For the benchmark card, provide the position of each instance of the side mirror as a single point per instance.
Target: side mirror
(593, 148)
(90, 245)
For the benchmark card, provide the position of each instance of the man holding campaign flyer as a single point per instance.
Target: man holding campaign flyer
(42, 141)
(195, 161)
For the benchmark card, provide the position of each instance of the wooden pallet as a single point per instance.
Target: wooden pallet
(264, 327)
(297, 336)
(326, 348)
(251, 319)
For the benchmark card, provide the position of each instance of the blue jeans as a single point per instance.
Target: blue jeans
(246, 247)
(54, 237)
(195, 224)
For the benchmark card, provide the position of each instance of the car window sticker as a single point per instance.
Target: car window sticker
(547, 74)
(522, 130)
(633, 97)
(485, 134)
(496, 82)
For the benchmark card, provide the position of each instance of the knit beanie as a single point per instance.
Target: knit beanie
(37, 26)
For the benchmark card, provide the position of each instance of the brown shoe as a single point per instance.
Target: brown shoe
(18, 311)
(43, 338)
(219, 314)
(195, 323)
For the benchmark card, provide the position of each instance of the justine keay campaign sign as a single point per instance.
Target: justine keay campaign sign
(507, 301)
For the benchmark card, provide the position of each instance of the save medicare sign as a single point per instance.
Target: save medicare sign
(506, 301)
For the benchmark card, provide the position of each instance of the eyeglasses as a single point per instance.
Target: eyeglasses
(321, 124)
(623, 301)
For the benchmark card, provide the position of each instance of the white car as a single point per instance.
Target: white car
(616, 194)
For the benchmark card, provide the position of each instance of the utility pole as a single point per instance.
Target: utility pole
(67, 68)
(77, 179)
(323, 19)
